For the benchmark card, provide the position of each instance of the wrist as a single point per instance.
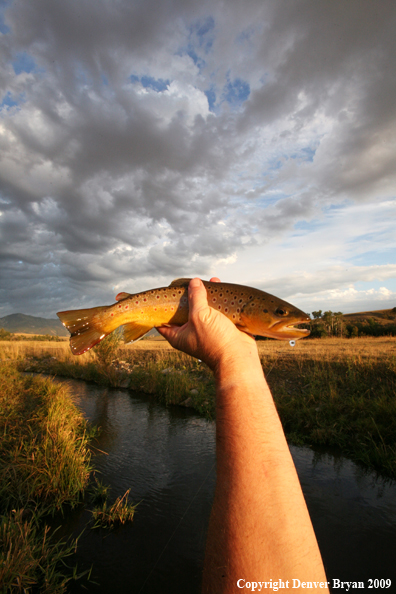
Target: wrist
(239, 364)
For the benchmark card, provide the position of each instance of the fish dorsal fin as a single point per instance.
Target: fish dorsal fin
(122, 296)
(180, 282)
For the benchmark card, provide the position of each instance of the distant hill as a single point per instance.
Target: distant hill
(32, 325)
(381, 316)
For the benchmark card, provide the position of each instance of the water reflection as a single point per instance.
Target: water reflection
(166, 457)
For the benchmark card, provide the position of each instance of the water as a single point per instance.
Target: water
(166, 457)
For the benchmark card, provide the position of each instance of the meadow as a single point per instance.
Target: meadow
(331, 392)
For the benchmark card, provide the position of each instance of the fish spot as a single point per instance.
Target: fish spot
(220, 294)
(233, 316)
(126, 307)
(240, 301)
(214, 299)
(226, 309)
(225, 300)
(265, 310)
(232, 302)
(219, 306)
(165, 295)
(155, 309)
(238, 310)
(136, 302)
(112, 314)
(179, 292)
(157, 296)
(172, 308)
(173, 294)
(166, 309)
(120, 306)
(145, 299)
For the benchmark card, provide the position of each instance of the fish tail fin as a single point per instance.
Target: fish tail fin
(86, 326)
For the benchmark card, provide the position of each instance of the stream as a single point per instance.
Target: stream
(166, 456)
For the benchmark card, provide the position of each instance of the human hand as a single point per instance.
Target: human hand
(208, 335)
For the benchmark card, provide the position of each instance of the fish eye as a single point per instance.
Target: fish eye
(281, 312)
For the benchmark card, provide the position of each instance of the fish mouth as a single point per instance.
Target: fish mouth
(285, 331)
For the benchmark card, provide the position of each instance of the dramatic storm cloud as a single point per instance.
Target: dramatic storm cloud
(143, 141)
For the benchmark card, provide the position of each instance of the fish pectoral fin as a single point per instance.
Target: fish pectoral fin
(244, 325)
(122, 296)
(134, 331)
(180, 282)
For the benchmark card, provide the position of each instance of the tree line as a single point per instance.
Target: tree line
(331, 323)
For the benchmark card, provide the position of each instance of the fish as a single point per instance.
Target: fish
(251, 310)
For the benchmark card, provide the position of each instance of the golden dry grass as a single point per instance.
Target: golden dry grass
(331, 348)
(328, 348)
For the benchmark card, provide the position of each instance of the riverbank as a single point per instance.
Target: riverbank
(336, 392)
(45, 468)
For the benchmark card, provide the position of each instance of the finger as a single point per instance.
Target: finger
(168, 332)
(197, 296)
(215, 280)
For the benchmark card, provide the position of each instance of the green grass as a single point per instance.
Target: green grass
(30, 559)
(120, 512)
(349, 404)
(44, 454)
(45, 466)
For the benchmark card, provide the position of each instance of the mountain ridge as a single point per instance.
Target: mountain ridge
(32, 325)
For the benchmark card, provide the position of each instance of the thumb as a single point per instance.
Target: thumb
(197, 296)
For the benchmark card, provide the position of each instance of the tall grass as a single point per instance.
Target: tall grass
(30, 559)
(348, 402)
(44, 465)
(44, 455)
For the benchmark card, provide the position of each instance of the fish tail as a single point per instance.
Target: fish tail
(86, 326)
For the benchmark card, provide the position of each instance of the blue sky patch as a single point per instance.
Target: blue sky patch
(374, 258)
(148, 82)
(236, 91)
(211, 97)
(23, 63)
(203, 30)
(9, 100)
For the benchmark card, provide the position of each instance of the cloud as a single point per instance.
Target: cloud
(128, 130)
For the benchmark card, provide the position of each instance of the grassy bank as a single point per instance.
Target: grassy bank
(348, 403)
(335, 392)
(44, 469)
(44, 465)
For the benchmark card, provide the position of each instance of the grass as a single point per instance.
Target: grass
(31, 560)
(45, 465)
(331, 392)
(44, 454)
(120, 512)
(348, 403)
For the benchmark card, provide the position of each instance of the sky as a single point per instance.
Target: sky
(143, 141)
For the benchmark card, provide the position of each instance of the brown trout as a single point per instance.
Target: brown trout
(251, 310)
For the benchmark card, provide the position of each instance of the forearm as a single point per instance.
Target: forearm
(259, 527)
